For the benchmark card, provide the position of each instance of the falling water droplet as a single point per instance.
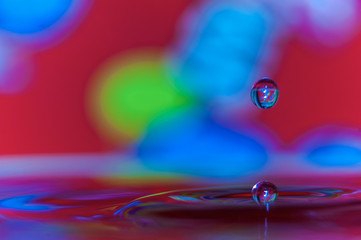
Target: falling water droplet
(265, 93)
(264, 193)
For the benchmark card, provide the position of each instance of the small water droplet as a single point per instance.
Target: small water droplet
(264, 93)
(264, 192)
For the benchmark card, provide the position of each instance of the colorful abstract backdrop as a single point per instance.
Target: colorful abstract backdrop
(166, 85)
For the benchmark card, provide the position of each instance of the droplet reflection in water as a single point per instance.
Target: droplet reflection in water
(264, 193)
(264, 93)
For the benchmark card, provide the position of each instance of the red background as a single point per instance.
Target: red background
(317, 86)
(50, 115)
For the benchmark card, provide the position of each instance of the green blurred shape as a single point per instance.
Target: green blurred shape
(136, 91)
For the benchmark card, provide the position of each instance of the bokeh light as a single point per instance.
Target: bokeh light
(189, 142)
(130, 92)
(331, 146)
(39, 23)
(31, 16)
(219, 54)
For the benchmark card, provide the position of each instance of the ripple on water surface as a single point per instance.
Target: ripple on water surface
(236, 205)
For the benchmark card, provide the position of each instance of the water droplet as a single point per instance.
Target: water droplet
(264, 192)
(265, 93)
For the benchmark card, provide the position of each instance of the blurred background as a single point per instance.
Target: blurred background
(151, 89)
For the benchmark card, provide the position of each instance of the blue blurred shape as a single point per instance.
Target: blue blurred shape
(23, 203)
(188, 144)
(31, 16)
(337, 155)
(221, 52)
